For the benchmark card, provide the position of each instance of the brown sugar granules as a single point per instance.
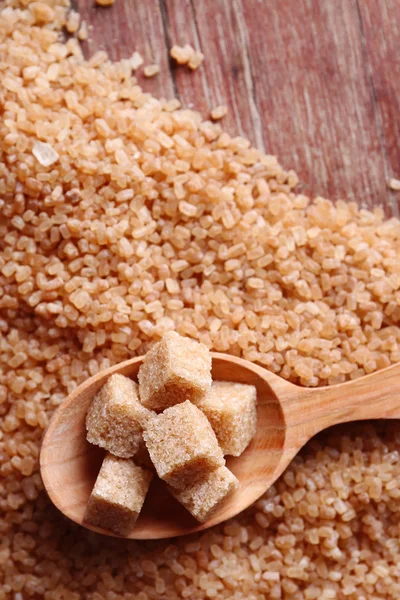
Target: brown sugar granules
(151, 220)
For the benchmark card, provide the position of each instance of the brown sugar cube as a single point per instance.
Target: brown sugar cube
(206, 495)
(176, 369)
(182, 445)
(118, 495)
(231, 409)
(115, 418)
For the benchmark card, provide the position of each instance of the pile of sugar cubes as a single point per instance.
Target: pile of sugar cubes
(176, 422)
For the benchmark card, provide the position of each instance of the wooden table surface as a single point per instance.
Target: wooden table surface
(316, 82)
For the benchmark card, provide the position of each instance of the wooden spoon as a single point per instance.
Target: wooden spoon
(288, 416)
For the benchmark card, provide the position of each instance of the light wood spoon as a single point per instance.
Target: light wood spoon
(288, 416)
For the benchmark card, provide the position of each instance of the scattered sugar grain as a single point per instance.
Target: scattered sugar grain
(136, 61)
(182, 54)
(219, 112)
(83, 32)
(195, 60)
(187, 55)
(42, 12)
(394, 184)
(151, 70)
(45, 153)
(73, 21)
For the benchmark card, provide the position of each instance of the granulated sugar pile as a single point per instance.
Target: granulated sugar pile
(123, 217)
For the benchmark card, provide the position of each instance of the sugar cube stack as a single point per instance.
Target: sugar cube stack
(182, 445)
(176, 423)
(231, 409)
(118, 495)
(176, 369)
(203, 497)
(115, 418)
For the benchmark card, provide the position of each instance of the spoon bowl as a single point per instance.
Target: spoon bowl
(287, 417)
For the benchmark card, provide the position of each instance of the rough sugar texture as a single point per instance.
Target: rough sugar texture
(176, 369)
(206, 495)
(115, 418)
(182, 445)
(118, 495)
(231, 409)
(114, 244)
(186, 55)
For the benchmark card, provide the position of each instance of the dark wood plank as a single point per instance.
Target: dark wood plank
(312, 85)
(128, 26)
(216, 27)
(381, 34)
(313, 81)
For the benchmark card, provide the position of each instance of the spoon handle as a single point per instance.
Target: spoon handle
(310, 410)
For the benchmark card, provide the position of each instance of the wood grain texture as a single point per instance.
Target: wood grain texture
(287, 417)
(380, 22)
(315, 82)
